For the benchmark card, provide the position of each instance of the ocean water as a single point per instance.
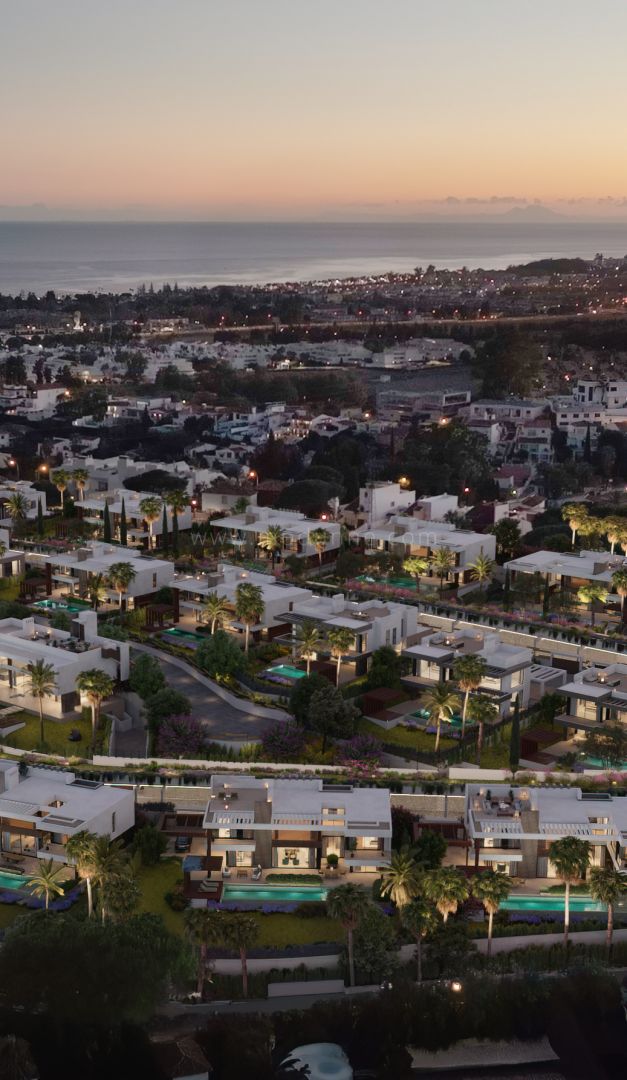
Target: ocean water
(114, 257)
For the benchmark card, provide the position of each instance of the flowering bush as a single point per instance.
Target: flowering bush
(181, 736)
(361, 749)
(284, 741)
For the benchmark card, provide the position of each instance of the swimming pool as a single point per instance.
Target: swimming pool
(284, 671)
(273, 892)
(394, 582)
(175, 631)
(61, 605)
(551, 903)
(596, 763)
(12, 881)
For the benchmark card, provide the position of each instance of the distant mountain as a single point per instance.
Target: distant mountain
(532, 212)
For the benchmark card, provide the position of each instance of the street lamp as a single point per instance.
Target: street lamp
(252, 475)
(15, 465)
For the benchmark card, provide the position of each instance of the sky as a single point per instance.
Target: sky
(311, 109)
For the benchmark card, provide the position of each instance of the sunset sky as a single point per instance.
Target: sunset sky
(331, 108)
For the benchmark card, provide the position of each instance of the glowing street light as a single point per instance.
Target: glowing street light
(15, 465)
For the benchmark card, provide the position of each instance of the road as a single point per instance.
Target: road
(222, 720)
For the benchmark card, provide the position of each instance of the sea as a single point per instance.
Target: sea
(71, 257)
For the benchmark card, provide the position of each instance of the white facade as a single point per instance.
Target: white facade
(93, 510)
(405, 536)
(39, 812)
(278, 596)
(297, 823)
(73, 569)
(245, 529)
(378, 501)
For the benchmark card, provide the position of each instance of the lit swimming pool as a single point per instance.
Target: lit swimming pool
(394, 582)
(551, 903)
(596, 763)
(284, 671)
(175, 631)
(273, 892)
(60, 605)
(12, 881)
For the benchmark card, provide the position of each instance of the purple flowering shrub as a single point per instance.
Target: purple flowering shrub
(284, 741)
(181, 736)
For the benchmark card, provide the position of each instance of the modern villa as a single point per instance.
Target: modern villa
(41, 810)
(68, 573)
(297, 824)
(409, 536)
(191, 591)
(507, 677)
(244, 530)
(596, 696)
(512, 829)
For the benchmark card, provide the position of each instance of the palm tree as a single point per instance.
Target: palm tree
(447, 888)
(575, 514)
(80, 849)
(468, 673)
(442, 562)
(120, 895)
(97, 589)
(307, 641)
(348, 904)
(44, 881)
(242, 931)
(613, 527)
(570, 856)
(80, 478)
(619, 582)
(61, 478)
(272, 541)
(441, 701)
(17, 506)
(401, 881)
(607, 885)
(418, 919)
(481, 569)
(320, 538)
(108, 863)
(492, 888)
(97, 686)
(205, 928)
(150, 509)
(416, 566)
(42, 684)
(482, 712)
(591, 594)
(340, 640)
(177, 500)
(249, 607)
(216, 610)
(121, 575)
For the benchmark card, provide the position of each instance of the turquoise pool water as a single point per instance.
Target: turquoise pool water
(596, 763)
(60, 605)
(551, 903)
(175, 631)
(12, 881)
(273, 892)
(287, 671)
(395, 582)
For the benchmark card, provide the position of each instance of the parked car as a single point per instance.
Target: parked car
(182, 843)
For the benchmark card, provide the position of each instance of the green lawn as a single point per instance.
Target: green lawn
(56, 735)
(402, 736)
(274, 930)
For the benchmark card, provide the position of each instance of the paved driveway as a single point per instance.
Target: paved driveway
(222, 720)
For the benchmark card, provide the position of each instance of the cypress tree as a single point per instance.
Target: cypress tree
(40, 519)
(123, 525)
(106, 528)
(164, 529)
(507, 590)
(546, 597)
(514, 741)
(175, 533)
(587, 446)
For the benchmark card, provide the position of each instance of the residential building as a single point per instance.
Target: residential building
(508, 667)
(190, 593)
(92, 510)
(68, 573)
(596, 696)
(515, 409)
(297, 824)
(41, 809)
(244, 530)
(512, 828)
(566, 570)
(31, 496)
(25, 641)
(374, 623)
(406, 536)
(379, 500)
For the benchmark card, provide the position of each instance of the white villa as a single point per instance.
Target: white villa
(40, 811)
(288, 824)
(570, 570)
(512, 829)
(408, 536)
(92, 510)
(508, 672)
(244, 530)
(24, 642)
(68, 573)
